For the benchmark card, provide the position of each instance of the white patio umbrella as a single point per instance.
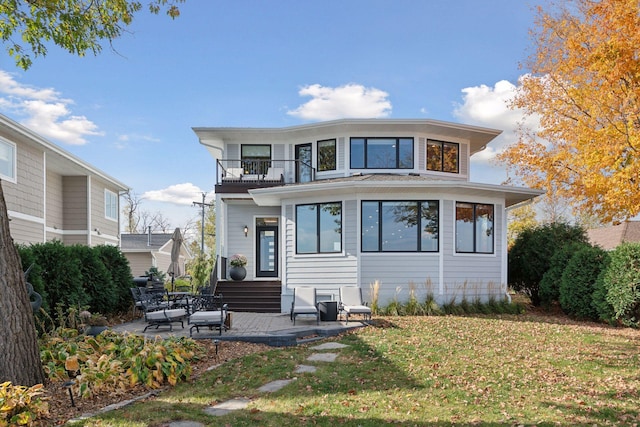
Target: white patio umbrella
(174, 267)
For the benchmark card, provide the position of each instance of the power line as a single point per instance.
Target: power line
(203, 205)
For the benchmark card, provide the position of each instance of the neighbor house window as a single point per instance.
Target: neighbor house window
(7, 160)
(110, 205)
(319, 228)
(327, 155)
(474, 228)
(400, 226)
(381, 153)
(443, 156)
(256, 159)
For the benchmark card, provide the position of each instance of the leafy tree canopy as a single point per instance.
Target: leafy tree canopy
(585, 88)
(78, 26)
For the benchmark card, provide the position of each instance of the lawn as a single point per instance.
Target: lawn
(418, 371)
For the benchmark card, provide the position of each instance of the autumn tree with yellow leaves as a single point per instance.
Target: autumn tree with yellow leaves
(584, 86)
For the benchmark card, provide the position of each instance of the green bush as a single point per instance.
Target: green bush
(118, 267)
(600, 303)
(96, 280)
(622, 282)
(550, 284)
(530, 256)
(578, 282)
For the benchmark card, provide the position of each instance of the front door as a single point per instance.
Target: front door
(267, 251)
(303, 163)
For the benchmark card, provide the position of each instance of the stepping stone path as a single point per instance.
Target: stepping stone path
(224, 408)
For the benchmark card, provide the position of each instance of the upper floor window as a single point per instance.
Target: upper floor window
(7, 160)
(400, 226)
(327, 155)
(474, 228)
(381, 153)
(110, 205)
(256, 159)
(319, 228)
(443, 156)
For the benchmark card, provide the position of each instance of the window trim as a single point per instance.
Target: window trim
(474, 237)
(335, 156)
(107, 194)
(419, 249)
(13, 147)
(397, 138)
(442, 156)
(318, 231)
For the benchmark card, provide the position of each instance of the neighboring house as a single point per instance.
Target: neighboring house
(151, 250)
(53, 195)
(358, 201)
(608, 238)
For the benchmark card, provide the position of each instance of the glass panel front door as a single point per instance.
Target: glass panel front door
(303, 164)
(267, 251)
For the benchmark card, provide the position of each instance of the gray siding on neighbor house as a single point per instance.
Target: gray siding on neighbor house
(139, 262)
(27, 196)
(54, 201)
(74, 204)
(108, 227)
(25, 231)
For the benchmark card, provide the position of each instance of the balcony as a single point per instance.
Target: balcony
(240, 175)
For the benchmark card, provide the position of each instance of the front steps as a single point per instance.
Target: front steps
(251, 296)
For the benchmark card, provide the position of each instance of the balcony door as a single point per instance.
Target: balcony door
(267, 250)
(303, 163)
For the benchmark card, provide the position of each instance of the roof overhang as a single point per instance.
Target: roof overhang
(214, 139)
(275, 195)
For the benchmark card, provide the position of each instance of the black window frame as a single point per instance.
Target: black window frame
(335, 154)
(474, 228)
(442, 145)
(318, 230)
(365, 153)
(418, 236)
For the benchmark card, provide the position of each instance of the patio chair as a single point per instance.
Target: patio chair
(208, 311)
(233, 174)
(274, 174)
(304, 302)
(351, 303)
(158, 312)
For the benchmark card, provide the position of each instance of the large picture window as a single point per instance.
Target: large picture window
(443, 156)
(327, 155)
(7, 161)
(381, 153)
(474, 228)
(400, 226)
(319, 228)
(110, 205)
(256, 159)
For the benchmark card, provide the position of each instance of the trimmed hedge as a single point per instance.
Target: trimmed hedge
(622, 283)
(578, 282)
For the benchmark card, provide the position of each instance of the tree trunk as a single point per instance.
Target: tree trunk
(20, 360)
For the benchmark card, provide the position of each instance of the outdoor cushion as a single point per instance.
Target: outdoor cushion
(165, 317)
(351, 302)
(304, 302)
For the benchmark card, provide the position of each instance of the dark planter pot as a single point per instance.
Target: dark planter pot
(237, 273)
(94, 331)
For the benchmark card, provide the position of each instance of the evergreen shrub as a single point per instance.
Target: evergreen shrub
(578, 282)
(622, 282)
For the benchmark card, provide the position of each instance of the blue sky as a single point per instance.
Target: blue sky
(251, 63)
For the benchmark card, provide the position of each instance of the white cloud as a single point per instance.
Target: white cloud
(180, 194)
(489, 107)
(348, 101)
(44, 111)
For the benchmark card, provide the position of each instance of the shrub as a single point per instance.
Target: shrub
(622, 282)
(118, 268)
(530, 256)
(578, 282)
(550, 283)
(22, 406)
(96, 280)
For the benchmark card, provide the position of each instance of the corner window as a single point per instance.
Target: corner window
(381, 153)
(7, 160)
(319, 228)
(256, 159)
(400, 226)
(443, 156)
(327, 155)
(110, 205)
(474, 228)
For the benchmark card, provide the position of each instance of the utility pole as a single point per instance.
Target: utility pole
(203, 205)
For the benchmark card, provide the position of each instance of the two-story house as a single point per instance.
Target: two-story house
(53, 195)
(362, 201)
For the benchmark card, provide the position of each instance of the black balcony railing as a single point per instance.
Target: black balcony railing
(256, 171)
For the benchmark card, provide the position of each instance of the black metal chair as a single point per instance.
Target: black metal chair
(208, 311)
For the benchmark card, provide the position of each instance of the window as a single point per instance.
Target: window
(256, 159)
(381, 153)
(327, 155)
(7, 160)
(319, 228)
(474, 228)
(110, 205)
(400, 226)
(443, 156)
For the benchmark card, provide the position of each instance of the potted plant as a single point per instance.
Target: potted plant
(237, 270)
(94, 324)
